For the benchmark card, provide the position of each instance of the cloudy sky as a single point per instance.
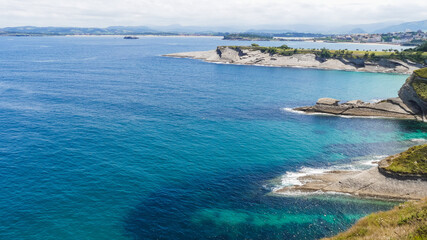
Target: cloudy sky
(245, 13)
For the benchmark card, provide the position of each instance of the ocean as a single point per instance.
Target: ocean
(104, 138)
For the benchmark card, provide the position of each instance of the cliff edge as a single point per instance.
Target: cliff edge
(414, 92)
(300, 59)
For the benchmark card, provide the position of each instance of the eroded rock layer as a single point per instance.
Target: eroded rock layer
(308, 60)
(409, 104)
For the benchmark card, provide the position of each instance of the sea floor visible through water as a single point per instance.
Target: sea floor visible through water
(103, 138)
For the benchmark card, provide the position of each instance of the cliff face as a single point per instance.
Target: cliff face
(411, 164)
(309, 60)
(412, 98)
(247, 56)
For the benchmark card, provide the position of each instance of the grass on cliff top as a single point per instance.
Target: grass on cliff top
(420, 88)
(414, 56)
(413, 161)
(422, 72)
(407, 221)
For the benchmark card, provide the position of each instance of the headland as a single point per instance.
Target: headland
(400, 177)
(361, 61)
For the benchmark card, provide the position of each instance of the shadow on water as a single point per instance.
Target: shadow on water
(236, 207)
(233, 205)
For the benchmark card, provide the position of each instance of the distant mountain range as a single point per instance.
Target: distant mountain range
(413, 26)
(384, 27)
(76, 30)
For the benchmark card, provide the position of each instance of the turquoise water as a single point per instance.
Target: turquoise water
(103, 138)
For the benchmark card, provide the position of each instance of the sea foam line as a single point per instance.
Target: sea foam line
(335, 115)
(292, 178)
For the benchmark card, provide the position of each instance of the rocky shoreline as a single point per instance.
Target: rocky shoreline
(243, 56)
(389, 108)
(367, 183)
(409, 105)
(402, 176)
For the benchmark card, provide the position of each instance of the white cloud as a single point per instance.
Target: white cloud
(245, 13)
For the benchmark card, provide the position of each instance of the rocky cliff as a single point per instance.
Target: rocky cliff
(410, 104)
(247, 56)
(413, 93)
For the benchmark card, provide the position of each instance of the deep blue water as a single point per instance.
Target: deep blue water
(103, 138)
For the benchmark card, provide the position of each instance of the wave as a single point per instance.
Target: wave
(418, 140)
(375, 100)
(292, 110)
(335, 115)
(298, 193)
(294, 178)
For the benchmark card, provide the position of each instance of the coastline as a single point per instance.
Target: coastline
(140, 36)
(410, 103)
(360, 183)
(307, 60)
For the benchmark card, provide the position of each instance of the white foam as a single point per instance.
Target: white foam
(298, 193)
(292, 110)
(329, 114)
(370, 162)
(375, 100)
(418, 140)
(294, 178)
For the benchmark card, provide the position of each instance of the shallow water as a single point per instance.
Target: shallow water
(103, 138)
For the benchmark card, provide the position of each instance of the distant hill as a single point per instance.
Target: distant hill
(113, 30)
(413, 26)
(31, 30)
(268, 31)
(357, 30)
(295, 30)
(380, 27)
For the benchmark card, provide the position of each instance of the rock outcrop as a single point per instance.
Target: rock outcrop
(362, 183)
(409, 105)
(327, 101)
(408, 165)
(256, 57)
(413, 99)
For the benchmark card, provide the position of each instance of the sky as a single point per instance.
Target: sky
(244, 13)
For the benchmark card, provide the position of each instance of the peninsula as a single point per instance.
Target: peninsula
(401, 176)
(403, 62)
(248, 37)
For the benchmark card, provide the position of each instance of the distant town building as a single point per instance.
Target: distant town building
(408, 37)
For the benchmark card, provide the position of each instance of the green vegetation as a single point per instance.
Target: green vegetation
(420, 88)
(247, 37)
(422, 47)
(407, 221)
(412, 161)
(421, 72)
(418, 55)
